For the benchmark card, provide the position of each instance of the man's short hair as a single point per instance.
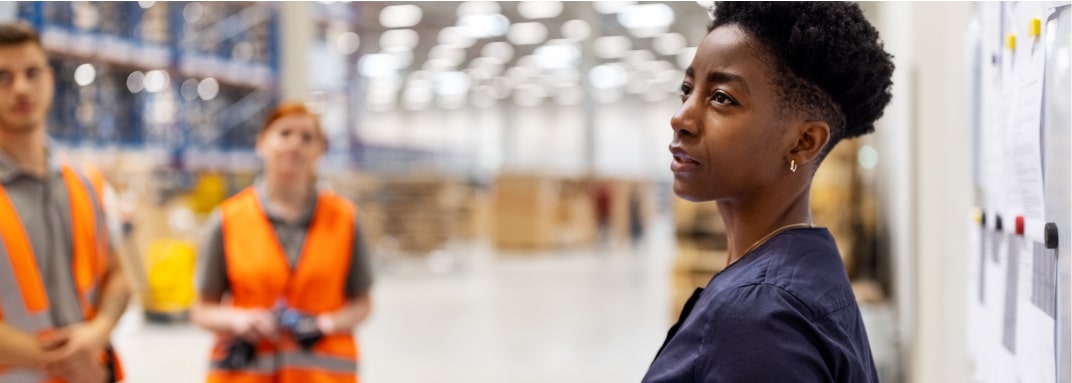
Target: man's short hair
(18, 34)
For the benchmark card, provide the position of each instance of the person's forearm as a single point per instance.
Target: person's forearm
(346, 319)
(212, 316)
(19, 349)
(114, 299)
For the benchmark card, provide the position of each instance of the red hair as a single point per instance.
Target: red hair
(294, 108)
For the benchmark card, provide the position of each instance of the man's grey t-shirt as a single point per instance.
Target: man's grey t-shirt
(44, 209)
(212, 280)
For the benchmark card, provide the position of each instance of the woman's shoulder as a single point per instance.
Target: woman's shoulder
(801, 268)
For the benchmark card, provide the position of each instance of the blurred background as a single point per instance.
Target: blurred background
(510, 165)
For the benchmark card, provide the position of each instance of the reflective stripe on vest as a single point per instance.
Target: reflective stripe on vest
(268, 364)
(24, 301)
(260, 276)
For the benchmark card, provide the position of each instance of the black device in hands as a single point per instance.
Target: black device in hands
(239, 355)
(301, 326)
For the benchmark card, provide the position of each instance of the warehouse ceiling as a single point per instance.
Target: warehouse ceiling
(478, 54)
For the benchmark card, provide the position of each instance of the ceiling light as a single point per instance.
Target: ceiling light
(188, 89)
(668, 44)
(500, 50)
(192, 12)
(377, 65)
(85, 74)
(454, 36)
(135, 82)
(557, 56)
(156, 80)
(490, 65)
(539, 9)
(400, 38)
(470, 8)
(608, 7)
(637, 59)
(403, 57)
(608, 76)
(612, 47)
(646, 20)
(527, 33)
(347, 43)
(576, 30)
(208, 89)
(452, 54)
(400, 16)
(646, 16)
(483, 26)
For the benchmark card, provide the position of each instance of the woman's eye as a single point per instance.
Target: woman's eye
(722, 98)
(685, 90)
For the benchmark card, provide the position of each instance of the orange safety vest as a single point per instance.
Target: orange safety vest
(260, 276)
(23, 300)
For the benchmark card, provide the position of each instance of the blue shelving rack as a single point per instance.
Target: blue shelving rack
(234, 43)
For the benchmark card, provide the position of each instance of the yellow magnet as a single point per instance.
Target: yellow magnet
(1036, 27)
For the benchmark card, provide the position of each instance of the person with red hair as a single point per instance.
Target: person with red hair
(283, 275)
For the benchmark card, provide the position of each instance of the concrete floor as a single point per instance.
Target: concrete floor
(470, 315)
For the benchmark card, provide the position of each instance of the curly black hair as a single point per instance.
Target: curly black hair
(829, 60)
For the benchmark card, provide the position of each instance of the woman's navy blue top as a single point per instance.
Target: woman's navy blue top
(783, 313)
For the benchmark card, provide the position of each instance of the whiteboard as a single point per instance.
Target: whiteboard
(1018, 276)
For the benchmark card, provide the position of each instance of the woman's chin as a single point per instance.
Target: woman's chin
(689, 192)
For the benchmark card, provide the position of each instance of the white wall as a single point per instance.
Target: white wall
(927, 175)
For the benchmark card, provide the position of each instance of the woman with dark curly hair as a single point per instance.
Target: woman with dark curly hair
(772, 88)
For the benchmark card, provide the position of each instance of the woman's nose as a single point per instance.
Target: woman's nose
(684, 122)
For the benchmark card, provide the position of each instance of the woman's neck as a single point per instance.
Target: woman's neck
(750, 220)
(287, 195)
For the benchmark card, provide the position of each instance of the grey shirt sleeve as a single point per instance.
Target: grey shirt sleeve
(359, 279)
(212, 280)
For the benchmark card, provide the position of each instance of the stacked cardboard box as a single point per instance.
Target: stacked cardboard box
(421, 213)
(576, 224)
(476, 215)
(532, 212)
(524, 211)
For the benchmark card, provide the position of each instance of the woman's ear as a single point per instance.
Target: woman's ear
(812, 138)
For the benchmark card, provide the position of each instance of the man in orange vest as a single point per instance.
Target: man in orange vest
(61, 290)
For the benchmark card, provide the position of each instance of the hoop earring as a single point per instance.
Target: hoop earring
(793, 166)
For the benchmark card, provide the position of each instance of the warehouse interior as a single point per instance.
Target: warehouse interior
(509, 166)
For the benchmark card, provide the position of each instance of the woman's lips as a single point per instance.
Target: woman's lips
(682, 162)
